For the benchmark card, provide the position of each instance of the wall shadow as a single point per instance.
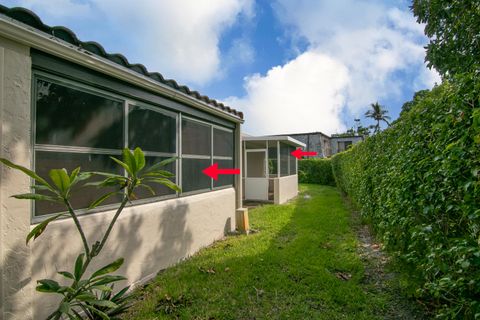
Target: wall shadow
(294, 276)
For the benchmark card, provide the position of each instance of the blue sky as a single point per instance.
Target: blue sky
(290, 65)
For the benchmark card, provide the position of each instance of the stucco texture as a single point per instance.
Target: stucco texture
(16, 286)
(149, 236)
(285, 188)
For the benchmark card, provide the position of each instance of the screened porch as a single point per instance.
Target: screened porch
(269, 169)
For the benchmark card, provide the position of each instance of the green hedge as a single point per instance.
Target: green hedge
(418, 184)
(317, 171)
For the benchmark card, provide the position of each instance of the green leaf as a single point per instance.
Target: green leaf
(123, 164)
(41, 187)
(139, 158)
(47, 285)
(64, 307)
(66, 274)
(160, 164)
(79, 266)
(38, 230)
(160, 174)
(36, 197)
(166, 183)
(61, 179)
(107, 279)
(102, 288)
(129, 159)
(28, 172)
(104, 303)
(74, 174)
(105, 174)
(98, 312)
(108, 268)
(120, 293)
(86, 296)
(101, 199)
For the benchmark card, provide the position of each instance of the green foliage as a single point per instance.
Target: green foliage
(407, 106)
(453, 27)
(418, 183)
(317, 171)
(93, 295)
(289, 269)
(377, 113)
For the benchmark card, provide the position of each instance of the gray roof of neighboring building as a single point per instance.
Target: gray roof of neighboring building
(31, 19)
(305, 133)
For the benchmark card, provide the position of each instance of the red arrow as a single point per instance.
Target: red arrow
(213, 171)
(299, 153)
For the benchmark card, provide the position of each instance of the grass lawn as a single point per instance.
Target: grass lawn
(297, 266)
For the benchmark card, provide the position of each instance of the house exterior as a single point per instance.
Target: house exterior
(343, 142)
(315, 141)
(64, 103)
(270, 171)
(326, 146)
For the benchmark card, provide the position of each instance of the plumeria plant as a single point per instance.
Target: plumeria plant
(91, 296)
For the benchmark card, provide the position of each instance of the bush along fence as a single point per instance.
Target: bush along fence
(418, 184)
(317, 171)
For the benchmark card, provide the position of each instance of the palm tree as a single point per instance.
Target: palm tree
(377, 113)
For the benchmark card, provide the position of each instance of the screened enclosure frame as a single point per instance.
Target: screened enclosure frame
(126, 107)
(292, 162)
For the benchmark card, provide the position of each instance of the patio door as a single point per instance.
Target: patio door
(256, 177)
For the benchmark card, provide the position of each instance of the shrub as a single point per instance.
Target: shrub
(418, 183)
(317, 171)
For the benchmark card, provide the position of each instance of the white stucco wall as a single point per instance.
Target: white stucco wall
(285, 188)
(16, 286)
(149, 236)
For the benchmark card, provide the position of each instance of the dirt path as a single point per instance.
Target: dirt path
(377, 277)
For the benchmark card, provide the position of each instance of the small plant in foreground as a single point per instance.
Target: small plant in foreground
(93, 296)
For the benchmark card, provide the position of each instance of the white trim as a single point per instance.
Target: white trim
(285, 139)
(194, 156)
(75, 149)
(21, 33)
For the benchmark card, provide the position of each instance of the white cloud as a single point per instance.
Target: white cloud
(359, 52)
(241, 52)
(57, 8)
(302, 95)
(178, 38)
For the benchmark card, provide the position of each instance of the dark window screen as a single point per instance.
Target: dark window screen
(293, 161)
(272, 158)
(151, 130)
(224, 179)
(196, 138)
(84, 196)
(159, 189)
(284, 155)
(222, 143)
(71, 117)
(192, 176)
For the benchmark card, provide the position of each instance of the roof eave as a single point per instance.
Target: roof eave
(29, 36)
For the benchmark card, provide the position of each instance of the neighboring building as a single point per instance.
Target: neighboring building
(342, 143)
(270, 171)
(324, 145)
(315, 141)
(64, 103)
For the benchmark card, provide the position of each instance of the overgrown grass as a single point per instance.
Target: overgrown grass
(290, 269)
